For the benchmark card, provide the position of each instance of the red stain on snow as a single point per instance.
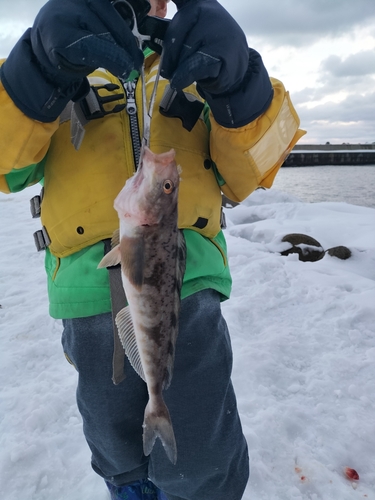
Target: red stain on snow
(298, 471)
(351, 474)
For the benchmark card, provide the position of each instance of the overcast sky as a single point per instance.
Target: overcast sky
(322, 50)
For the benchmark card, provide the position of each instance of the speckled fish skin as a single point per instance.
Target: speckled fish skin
(152, 251)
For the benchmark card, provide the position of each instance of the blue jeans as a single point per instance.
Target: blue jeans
(212, 459)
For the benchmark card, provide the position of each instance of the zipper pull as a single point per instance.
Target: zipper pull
(131, 107)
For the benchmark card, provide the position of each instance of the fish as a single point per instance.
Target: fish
(152, 253)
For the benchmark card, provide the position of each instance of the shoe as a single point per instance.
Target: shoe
(139, 490)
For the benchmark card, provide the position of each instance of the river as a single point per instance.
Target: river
(351, 184)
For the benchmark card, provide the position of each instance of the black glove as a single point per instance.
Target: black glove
(205, 44)
(69, 40)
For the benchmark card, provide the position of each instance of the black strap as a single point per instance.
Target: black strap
(177, 104)
(118, 301)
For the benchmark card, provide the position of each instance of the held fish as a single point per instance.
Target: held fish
(152, 253)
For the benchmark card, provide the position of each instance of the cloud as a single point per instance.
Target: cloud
(20, 10)
(351, 120)
(10, 32)
(320, 132)
(334, 90)
(300, 22)
(362, 63)
(15, 17)
(353, 108)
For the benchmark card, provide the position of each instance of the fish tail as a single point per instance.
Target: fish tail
(158, 424)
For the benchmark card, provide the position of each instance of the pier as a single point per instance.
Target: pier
(309, 155)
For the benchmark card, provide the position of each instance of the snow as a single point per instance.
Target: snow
(303, 336)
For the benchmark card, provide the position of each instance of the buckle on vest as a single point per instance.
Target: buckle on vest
(91, 107)
(35, 204)
(41, 239)
(92, 104)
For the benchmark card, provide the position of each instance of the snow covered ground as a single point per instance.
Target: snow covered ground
(303, 336)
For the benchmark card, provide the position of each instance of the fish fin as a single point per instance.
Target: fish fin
(181, 261)
(112, 258)
(126, 333)
(115, 240)
(169, 373)
(161, 158)
(157, 424)
(132, 257)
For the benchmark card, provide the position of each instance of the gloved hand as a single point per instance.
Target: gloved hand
(69, 39)
(205, 44)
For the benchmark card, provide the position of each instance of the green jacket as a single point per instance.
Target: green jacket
(79, 289)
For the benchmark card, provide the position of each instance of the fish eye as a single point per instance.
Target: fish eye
(168, 186)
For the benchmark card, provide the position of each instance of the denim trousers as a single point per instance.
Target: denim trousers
(212, 457)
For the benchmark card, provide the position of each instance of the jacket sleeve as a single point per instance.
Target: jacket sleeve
(23, 143)
(250, 156)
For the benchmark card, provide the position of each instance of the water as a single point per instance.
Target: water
(351, 184)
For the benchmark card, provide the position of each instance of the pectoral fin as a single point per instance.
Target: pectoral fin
(126, 333)
(115, 240)
(132, 259)
(112, 258)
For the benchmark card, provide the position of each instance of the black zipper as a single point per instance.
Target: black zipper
(131, 109)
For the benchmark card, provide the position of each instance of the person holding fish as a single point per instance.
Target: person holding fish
(162, 422)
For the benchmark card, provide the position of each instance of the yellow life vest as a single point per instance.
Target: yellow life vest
(80, 186)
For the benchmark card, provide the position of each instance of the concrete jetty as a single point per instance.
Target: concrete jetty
(309, 155)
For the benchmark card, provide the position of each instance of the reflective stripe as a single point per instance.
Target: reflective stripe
(97, 80)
